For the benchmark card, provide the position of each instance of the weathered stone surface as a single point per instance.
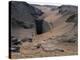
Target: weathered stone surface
(15, 49)
(23, 16)
(67, 9)
(51, 47)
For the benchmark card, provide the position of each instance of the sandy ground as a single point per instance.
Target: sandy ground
(27, 51)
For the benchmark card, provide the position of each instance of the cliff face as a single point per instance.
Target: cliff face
(23, 18)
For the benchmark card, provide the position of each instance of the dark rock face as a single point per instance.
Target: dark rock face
(42, 26)
(39, 25)
(68, 9)
(23, 16)
(73, 18)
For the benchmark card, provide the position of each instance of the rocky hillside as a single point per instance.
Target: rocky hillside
(44, 30)
(61, 15)
(67, 9)
(23, 17)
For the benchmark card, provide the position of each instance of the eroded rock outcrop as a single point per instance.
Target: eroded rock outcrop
(23, 17)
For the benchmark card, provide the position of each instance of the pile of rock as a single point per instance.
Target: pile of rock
(15, 44)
